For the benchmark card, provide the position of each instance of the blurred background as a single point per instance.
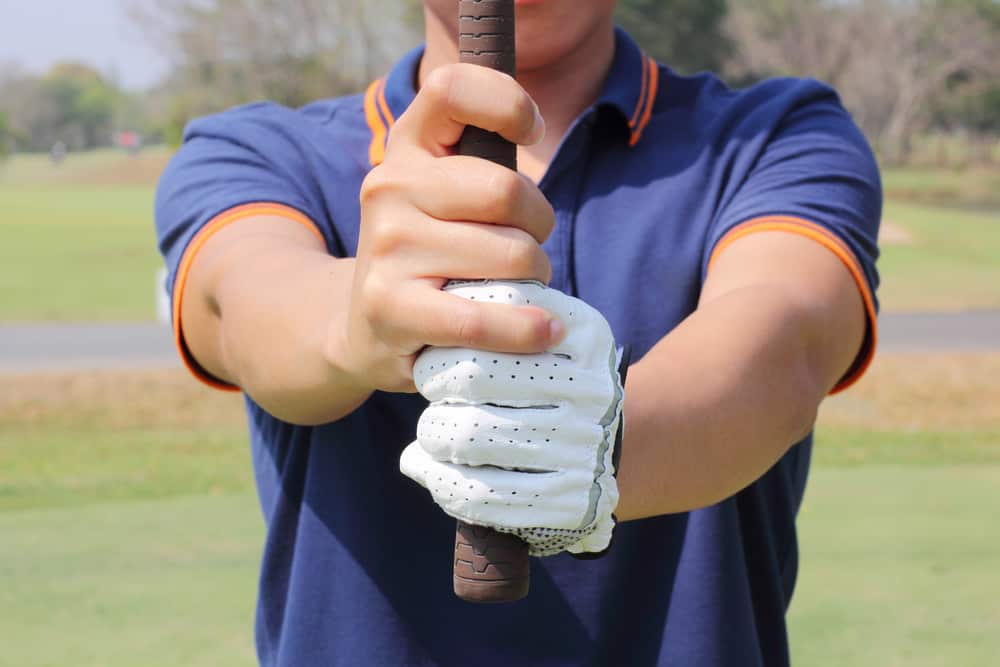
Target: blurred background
(130, 530)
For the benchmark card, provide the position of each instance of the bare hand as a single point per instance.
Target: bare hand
(428, 216)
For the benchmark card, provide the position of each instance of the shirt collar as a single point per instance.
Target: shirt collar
(630, 88)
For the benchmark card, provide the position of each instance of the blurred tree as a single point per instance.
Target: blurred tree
(228, 52)
(84, 104)
(891, 60)
(687, 35)
(975, 108)
(71, 103)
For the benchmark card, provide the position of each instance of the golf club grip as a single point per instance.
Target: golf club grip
(489, 566)
(486, 37)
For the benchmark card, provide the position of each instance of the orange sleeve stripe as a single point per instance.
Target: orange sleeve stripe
(654, 82)
(214, 225)
(376, 151)
(828, 240)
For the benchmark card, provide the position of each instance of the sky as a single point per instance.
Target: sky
(38, 33)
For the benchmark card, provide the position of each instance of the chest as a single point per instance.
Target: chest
(630, 235)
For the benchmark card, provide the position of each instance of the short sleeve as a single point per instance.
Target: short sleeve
(253, 160)
(813, 174)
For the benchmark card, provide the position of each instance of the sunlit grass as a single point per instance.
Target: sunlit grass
(950, 262)
(132, 536)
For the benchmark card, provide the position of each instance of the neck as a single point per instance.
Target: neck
(563, 88)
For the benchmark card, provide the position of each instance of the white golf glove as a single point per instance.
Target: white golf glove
(524, 444)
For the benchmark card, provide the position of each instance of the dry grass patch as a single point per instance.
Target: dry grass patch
(72, 439)
(928, 392)
(117, 400)
(892, 233)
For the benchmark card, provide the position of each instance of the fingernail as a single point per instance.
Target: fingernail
(538, 131)
(557, 330)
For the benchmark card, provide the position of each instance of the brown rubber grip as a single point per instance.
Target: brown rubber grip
(486, 37)
(489, 567)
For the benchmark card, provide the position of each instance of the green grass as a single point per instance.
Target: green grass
(100, 168)
(969, 188)
(952, 261)
(77, 242)
(79, 271)
(898, 568)
(70, 466)
(77, 254)
(844, 446)
(131, 535)
(166, 582)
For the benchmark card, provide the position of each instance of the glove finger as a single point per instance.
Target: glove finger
(504, 498)
(587, 332)
(521, 439)
(596, 541)
(538, 380)
(413, 463)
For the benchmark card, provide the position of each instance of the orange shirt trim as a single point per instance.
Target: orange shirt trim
(651, 84)
(216, 224)
(829, 241)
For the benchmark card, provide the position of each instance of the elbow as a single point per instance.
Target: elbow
(802, 422)
(302, 408)
(805, 393)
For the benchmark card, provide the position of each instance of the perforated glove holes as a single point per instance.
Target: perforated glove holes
(524, 443)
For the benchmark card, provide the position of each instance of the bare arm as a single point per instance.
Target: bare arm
(261, 310)
(722, 397)
(310, 337)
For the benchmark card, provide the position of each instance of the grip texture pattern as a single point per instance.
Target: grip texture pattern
(489, 567)
(486, 37)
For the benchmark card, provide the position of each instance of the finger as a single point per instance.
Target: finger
(476, 190)
(473, 251)
(412, 463)
(589, 340)
(525, 439)
(494, 496)
(454, 96)
(542, 380)
(440, 319)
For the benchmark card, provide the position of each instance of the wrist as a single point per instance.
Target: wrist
(344, 359)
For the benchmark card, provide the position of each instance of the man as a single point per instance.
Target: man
(729, 236)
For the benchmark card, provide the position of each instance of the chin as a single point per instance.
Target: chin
(550, 30)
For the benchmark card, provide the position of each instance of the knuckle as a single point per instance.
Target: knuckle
(523, 255)
(535, 332)
(387, 236)
(375, 299)
(505, 191)
(379, 181)
(439, 84)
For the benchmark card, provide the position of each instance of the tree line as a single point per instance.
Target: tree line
(904, 68)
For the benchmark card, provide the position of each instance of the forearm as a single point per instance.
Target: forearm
(265, 311)
(716, 403)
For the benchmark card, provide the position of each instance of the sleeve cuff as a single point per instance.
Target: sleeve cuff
(831, 242)
(213, 226)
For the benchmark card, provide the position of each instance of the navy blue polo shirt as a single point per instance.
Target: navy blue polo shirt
(648, 186)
